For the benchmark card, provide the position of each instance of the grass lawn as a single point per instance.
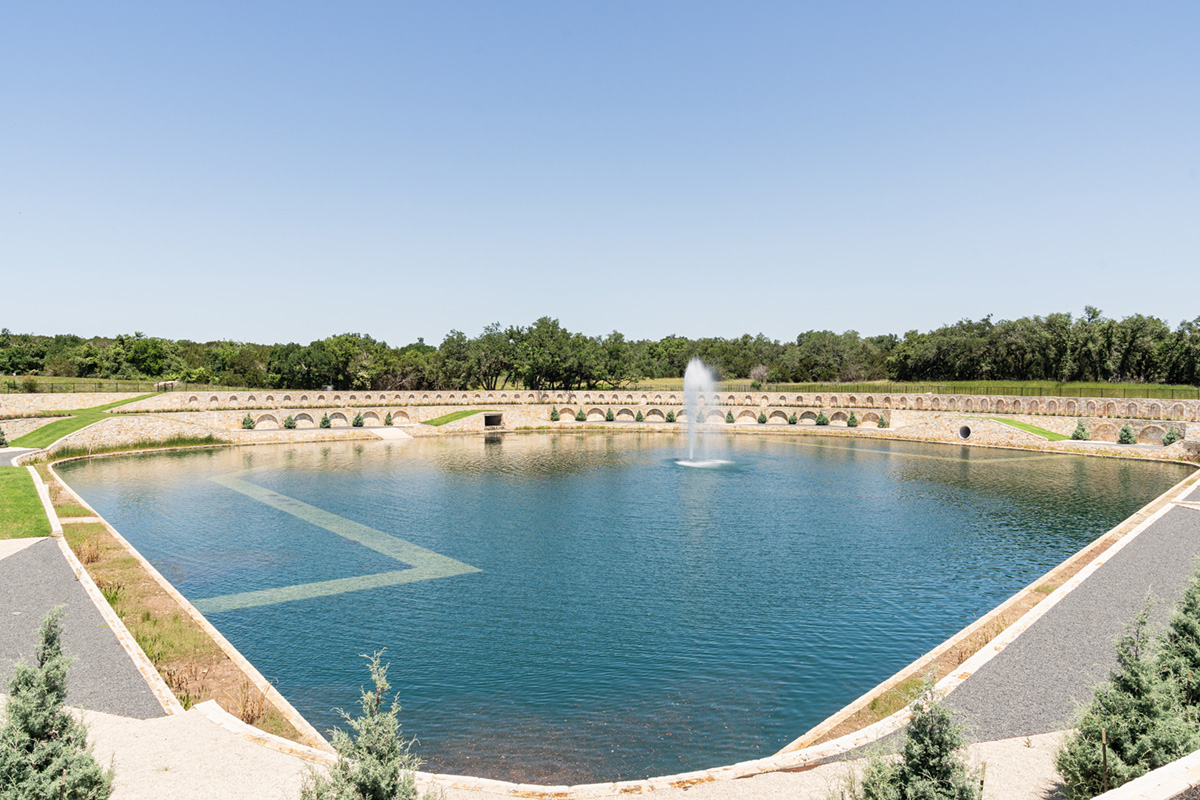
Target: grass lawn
(21, 512)
(453, 415)
(1025, 426)
(48, 434)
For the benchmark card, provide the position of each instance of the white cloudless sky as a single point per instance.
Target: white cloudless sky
(283, 172)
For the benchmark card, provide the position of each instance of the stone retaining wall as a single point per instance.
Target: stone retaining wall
(1067, 406)
(19, 404)
(14, 428)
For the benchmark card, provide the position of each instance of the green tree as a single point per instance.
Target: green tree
(326, 422)
(1126, 435)
(1080, 433)
(43, 749)
(248, 422)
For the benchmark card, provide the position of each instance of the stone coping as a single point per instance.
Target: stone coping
(800, 754)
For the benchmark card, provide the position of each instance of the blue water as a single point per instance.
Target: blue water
(630, 617)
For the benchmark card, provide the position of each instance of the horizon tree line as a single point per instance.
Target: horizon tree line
(546, 356)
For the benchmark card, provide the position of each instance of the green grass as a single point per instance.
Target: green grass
(1025, 426)
(453, 415)
(142, 444)
(21, 512)
(79, 419)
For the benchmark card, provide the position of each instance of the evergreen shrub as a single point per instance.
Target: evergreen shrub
(554, 415)
(357, 422)
(822, 419)
(762, 418)
(1126, 435)
(248, 422)
(729, 417)
(43, 749)
(670, 416)
(289, 422)
(1080, 434)
(374, 759)
(883, 423)
(853, 421)
(326, 422)
(387, 420)
(580, 416)
(608, 416)
(3, 440)
(793, 419)
(640, 416)
(1171, 437)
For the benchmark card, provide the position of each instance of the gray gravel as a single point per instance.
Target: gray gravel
(1038, 682)
(102, 677)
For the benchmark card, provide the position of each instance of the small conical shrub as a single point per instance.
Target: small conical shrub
(1171, 437)
(932, 767)
(762, 418)
(580, 416)
(358, 420)
(822, 419)
(883, 423)
(554, 415)
(3, 440)
(1080, 434)
(1126, 435)
(289, 422)
(729, 417)
(640, 416)
(43, 749)
(608, 416)
(792, 420)
(670, 416)
(853, 421)
(387, 420)
(248, 422)
(1135, 723)
(325, 421)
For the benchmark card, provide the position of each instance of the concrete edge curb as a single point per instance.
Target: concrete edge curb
(303, 726)
(43, 492)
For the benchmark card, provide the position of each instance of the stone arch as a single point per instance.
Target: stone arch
(1016, 405)
(833, 400)
(655, 415)
(838, 416)
(936, 404)
(1032, 406)
(671, 399)
(338, 420)
(491, 398)
(764, 401)
(624, 415)
(587, 398)
(870, 400)
(852, 400)
(1090, 408)
(870, 418)
(233, 399)
(904, 401)
(1177, 411)
(745, 417)
(353, 398)
(214, 399)
(629, 399)
(566, 413)
(748, 400)
(266, 422)
(287, 398)
(303, 398)
(777, 418)
(658, 398)
(999, 405)
(919, 403)
(730, 400)
(1151, 434)
(952, 404)
(968, 404)
(193, 399)
(1104, 432)
(400, 417)
(595, 414)
(808, 416)
(1072, 407)
(799, 399)
(1051, 406)
(304, 420)
(1132, 410)
(1155, 411)
(251, 399)
(1110, 409)
(412, 399)
(270, 398)
(817, 401)
(887, 401)
(371, 418)
(366, 397)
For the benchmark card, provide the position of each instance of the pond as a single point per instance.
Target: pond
(562, 608)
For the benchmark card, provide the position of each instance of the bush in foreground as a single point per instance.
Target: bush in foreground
(374, 760)
(853, 421)
(792, 420)
(1171, 437)
(580, 416)
(608, 416)
(762, 418)
(1135, 722)
(822, 419)
(289, 422)
(326, 422)
(1126, 435)
(883, 423)
(357, 422)
(43, 749)
(670, 416)
(389, 420)
(248, 422)
(640, 416)
(931, 766)
(554, 415)
(729, 417)
(1080, 434)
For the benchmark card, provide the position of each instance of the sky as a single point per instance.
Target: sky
(287, 171)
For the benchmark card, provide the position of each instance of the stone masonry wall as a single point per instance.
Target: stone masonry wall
(20, 404)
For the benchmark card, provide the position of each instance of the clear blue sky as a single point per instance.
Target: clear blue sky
(285, 171)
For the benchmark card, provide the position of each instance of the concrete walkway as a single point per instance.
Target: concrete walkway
(34, 578)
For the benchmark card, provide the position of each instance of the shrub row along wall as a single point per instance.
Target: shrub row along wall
(1068, 406)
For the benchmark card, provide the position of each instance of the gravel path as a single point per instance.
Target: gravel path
(102, 677)
(1038, 682)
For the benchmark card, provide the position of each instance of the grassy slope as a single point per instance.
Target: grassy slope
(453, 415)
(48, 434)
(21, 512)
(1025, 426)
